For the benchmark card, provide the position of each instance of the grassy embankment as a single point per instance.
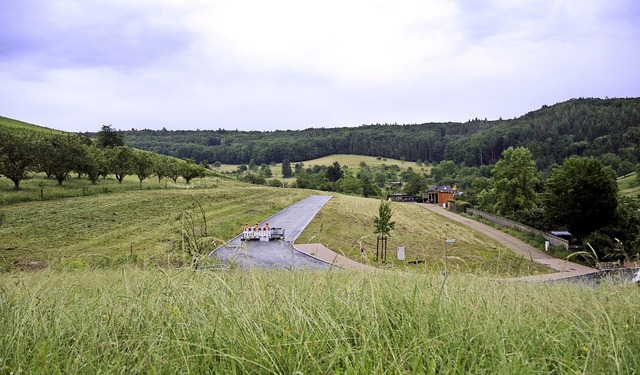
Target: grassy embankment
(141, 321)
(143, 227)
(128, 226)
(345, 224)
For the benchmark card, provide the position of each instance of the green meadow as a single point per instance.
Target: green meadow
(128, 320)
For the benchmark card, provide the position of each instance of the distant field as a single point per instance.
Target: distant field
(350, 161)
(353, 161)
(628, 186)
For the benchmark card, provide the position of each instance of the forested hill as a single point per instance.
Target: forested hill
(576, 127)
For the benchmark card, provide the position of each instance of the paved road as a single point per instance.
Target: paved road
(277, 254)
(565, 268)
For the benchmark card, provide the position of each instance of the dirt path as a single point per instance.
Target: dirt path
(565, 268)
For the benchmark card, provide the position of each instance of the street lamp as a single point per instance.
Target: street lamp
(446, 245)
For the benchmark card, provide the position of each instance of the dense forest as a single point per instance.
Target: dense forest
(583, 127)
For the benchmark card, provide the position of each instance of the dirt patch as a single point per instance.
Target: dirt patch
(31, 265)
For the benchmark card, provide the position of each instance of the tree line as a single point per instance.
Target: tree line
(58, 155)
(580, 196)
(583, 127)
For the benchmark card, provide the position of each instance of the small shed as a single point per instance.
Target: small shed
(439, 194)
(562, 234)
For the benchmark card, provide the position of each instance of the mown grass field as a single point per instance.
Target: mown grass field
(100, 229)
(128, 320)
(38, 187)
(97, 230)
(346, 223)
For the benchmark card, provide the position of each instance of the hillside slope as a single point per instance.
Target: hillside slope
(144, 227)
(21, 125)
(575, 127)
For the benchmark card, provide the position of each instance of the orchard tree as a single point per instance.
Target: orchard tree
(515, 181)
(160, 167)
(142, 164)
(190, 170)
(581, 195)
(61, 154)
(348, 185)
(94, 164)
(173, 169)
(18, 152)
(120, 159)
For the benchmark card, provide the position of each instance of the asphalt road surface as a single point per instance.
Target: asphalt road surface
(277, 254)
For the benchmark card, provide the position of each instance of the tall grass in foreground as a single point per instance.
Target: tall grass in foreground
(136, 321)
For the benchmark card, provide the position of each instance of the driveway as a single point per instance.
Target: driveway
(277, 254)
(565, 268)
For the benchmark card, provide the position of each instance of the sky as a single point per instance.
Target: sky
(76, 65)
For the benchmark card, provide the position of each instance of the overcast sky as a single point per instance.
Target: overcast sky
(76, 65)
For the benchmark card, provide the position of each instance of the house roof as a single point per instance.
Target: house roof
(440, 189)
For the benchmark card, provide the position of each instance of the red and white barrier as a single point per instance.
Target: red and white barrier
(264, 233)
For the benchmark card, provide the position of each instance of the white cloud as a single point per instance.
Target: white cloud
(289, 64)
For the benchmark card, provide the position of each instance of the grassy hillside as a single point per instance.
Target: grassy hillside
(346, 223)
(353, 161)
(102, 229)
(350, 161)
(21, 125)
(142, 226)
(153, 321)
